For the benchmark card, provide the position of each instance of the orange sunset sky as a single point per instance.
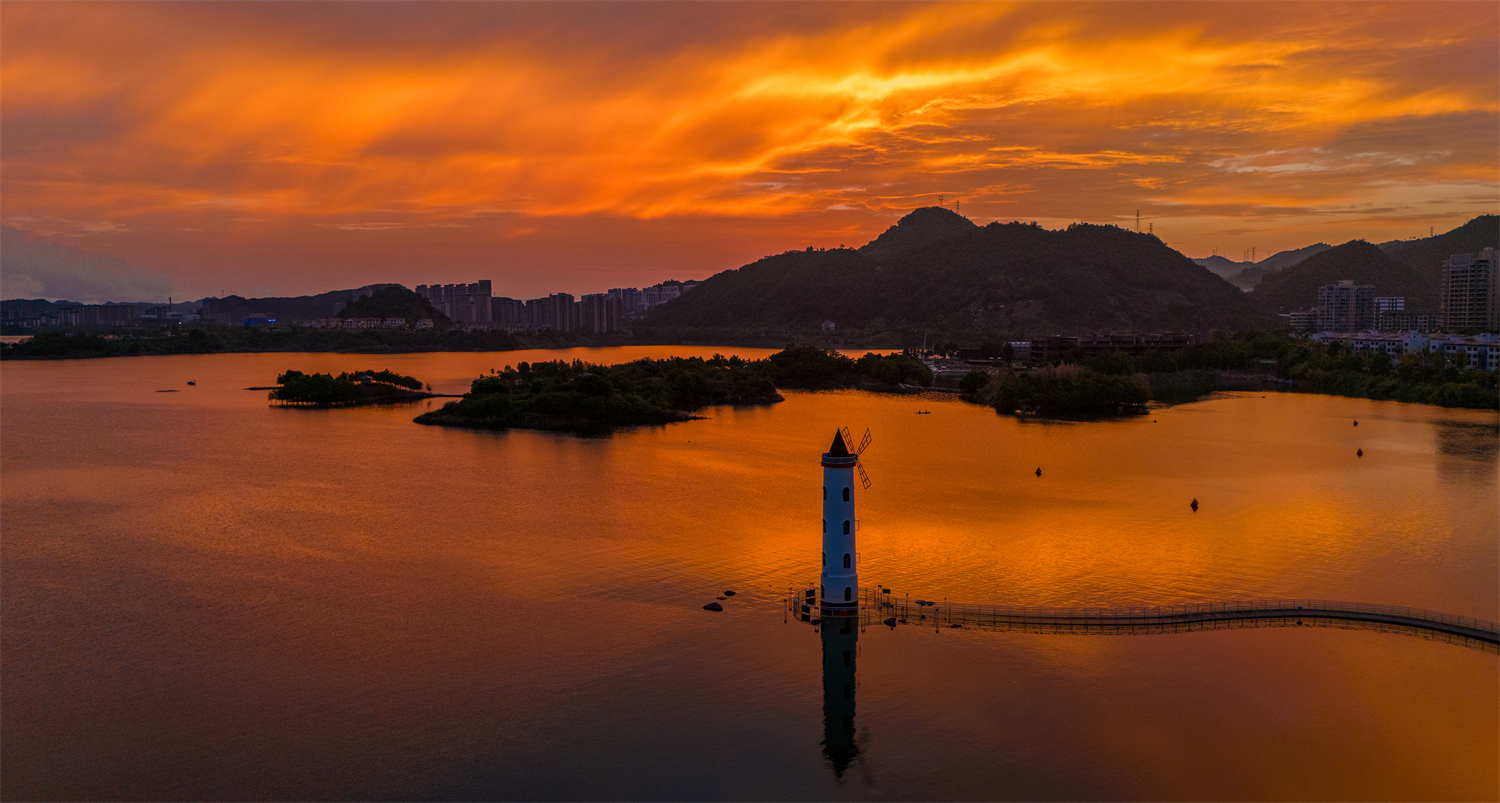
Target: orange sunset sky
(289, 148)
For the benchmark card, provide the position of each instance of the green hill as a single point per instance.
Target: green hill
(937, 272)
(1428, 254)
(1297, 287)
(394, 301)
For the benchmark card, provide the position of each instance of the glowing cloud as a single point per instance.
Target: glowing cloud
(574, 144)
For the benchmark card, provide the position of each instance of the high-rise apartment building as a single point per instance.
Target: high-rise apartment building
(509, 313)
(553, 312)
(1346, 307)
(1469, 293)
(598, 313)
(462, 303)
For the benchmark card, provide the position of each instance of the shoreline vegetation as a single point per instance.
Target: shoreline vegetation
(347, 389)
(1250, 360)
(1117, 383)
(583, 397)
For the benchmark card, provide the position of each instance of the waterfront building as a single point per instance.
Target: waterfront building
(462, 303)
(553, 312)
(598, 313)
(1480, 352)
(1469, 293)
(1391, 344)
(839, 583)
(1406, 320)
(1346, 307)
(1304, 320)
(1052, 349)
(632, 301)
(509, 314)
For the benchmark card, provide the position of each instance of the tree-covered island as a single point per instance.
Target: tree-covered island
(579, 396)
(346, 389)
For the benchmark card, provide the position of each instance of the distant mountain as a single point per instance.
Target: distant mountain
(1222, 267)
(296, 308)
(1428, 254)
(1282, 260)
(1246, 275)
(1297, 287)
(936, 271)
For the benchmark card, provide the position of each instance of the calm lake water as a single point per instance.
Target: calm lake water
(206, 597)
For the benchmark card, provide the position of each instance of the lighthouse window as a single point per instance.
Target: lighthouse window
(846, 494)
(847, 592)
(846, 560)
(846, 527)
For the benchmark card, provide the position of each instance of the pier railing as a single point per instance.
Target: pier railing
(877, 604)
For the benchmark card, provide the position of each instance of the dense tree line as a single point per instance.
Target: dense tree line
(584, 396)
(1194, 372)
(239, 339)
(327, 390)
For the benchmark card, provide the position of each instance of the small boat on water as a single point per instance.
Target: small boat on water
(191, 382)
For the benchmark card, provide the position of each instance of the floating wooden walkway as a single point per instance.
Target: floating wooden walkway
(877, 606)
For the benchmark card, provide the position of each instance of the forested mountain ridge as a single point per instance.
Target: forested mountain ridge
(1364, 263)
(1428, 255)
(936, 271)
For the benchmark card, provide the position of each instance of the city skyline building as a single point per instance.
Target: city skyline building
(1469, 293)
(462, 303)
(1346, 307)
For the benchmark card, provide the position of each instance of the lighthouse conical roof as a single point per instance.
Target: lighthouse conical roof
(838, 449)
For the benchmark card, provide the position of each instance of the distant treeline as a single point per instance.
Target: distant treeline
(1112, 381)
(584, 397)
(214, 340)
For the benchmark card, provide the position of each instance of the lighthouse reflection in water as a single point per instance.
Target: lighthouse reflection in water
(840, 650)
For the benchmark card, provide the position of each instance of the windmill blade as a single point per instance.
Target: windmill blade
(848, 441)
(863, 477)
(864, 443)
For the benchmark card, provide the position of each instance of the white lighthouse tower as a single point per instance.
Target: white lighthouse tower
(839, 582)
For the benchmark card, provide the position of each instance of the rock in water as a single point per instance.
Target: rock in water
(1359, 453)
(721, 597)
(1039, 472)
(728, 593)
(713, 606)
(891, 621)
(1194, 505)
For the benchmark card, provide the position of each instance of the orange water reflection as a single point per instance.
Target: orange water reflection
(208, 597)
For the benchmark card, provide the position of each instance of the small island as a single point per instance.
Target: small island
(346, 390)
(584, 397)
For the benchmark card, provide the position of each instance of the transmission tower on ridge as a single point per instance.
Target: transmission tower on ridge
(1137, 221)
